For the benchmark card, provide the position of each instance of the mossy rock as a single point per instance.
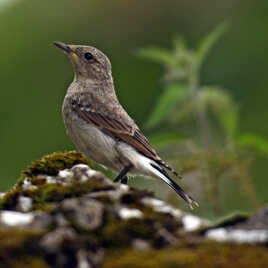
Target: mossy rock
(89, 224)
(19, 248)
(191, 255)
(46, 193)
(230, 220)
(53, 163)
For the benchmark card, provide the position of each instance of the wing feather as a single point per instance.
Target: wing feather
(118, 130)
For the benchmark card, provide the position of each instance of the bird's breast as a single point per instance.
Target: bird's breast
(90, 140)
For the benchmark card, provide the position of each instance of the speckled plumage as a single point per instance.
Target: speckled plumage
(100, 127)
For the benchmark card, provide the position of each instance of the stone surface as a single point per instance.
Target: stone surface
(72, 216)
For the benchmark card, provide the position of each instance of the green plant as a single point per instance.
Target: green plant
(205, 121)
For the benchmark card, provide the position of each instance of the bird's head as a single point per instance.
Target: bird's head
(88, 62)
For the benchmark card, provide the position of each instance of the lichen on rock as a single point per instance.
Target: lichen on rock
(63, 213)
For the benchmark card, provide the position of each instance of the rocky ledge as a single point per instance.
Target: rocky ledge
(63, 213)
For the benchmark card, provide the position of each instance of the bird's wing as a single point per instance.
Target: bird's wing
(113, 126)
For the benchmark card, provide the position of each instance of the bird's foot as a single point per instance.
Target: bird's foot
(124, 180)
(122, 175)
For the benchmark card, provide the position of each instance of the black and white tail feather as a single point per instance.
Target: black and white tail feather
(165, 165)
(162, 174)
(143, 165)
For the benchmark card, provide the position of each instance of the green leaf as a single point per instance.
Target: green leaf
(208, 42)
(256, 142)
(222, 105)
(172, 95)
(159, 55)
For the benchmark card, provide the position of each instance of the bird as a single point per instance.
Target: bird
(99, 126)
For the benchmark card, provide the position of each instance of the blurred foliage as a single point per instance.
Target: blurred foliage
(213, 148)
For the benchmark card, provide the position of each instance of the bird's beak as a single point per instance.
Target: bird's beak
(63, 46)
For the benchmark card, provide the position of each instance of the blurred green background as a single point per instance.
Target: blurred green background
(35, 75)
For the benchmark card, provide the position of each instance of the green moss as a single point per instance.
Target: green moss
(9, 201)
(44, 194)
(53, 163)
(19, 248)
(118, 233)
(133, 200)
(115, 233)
(38, 180)
(105, 200)
(26, 261)
(47, 193)
(14, 238)
(206, 254)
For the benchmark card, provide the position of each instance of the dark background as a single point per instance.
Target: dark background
(34, 75)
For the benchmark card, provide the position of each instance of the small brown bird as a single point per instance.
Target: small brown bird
(100, 127)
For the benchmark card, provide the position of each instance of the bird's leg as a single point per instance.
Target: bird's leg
(124, 180)
(122, 174)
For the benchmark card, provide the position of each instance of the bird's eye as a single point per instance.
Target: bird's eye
(88, 56)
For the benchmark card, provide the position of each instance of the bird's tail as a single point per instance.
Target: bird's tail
(162, 174)
(167, 166)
